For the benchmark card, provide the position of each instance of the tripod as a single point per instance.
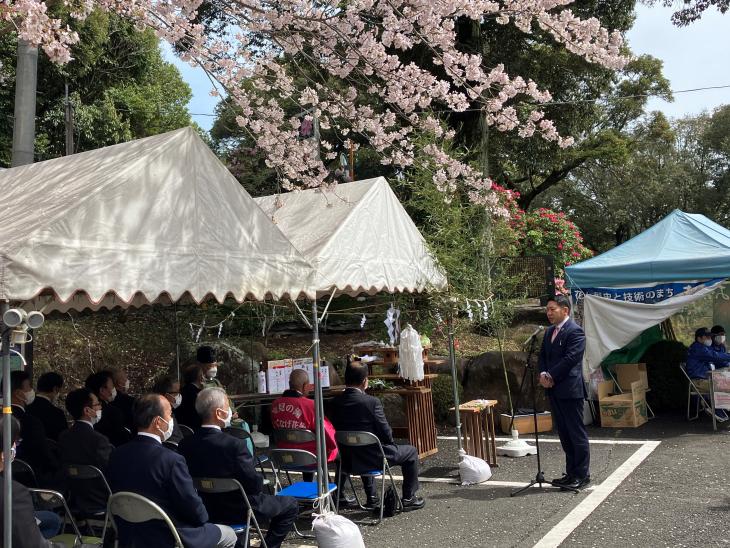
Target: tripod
(540, 476)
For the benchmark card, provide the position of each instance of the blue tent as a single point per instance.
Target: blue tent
(682, 246)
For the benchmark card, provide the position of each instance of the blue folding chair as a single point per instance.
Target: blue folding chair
(259, 459)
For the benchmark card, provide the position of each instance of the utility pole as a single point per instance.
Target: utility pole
(69, 125)
(26, 79)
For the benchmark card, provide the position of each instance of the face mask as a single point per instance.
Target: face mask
(720, 339)
(167, 433)
(12, 454)
(177, 402)
(97, 417)
(707, 342)
(29, 397)
(227, 420)
(126, 386)
(212, 372)
(114, 394)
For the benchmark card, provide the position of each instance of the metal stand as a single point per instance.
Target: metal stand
(7, 442)
(452, 363)
(540, 476)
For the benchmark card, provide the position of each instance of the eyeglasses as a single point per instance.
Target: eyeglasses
(173, 393)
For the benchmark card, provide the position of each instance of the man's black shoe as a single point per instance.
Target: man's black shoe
(413, 503)
(563, 480)
(347, 500)
(575, 484)
(372, 503)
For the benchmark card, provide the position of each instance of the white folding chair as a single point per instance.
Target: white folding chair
(701, 397)
(45, 499)
(135, 508)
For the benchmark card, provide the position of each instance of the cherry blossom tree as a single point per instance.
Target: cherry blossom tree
(339, 61)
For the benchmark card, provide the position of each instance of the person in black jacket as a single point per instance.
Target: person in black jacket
(192, 385)
(123, 400)
(26, 533)
(211, 453)
(44, 405)
(146, 467)
(354, 410)
(33, 447)
(170, 388)
(81, 444)
(112, 418)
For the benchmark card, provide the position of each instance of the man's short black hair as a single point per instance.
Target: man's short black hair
(96, 381)
(561, 300)
(716, 329)
(355, 375)
(48, 381)
(191, 374)
(163, 385)
(76, 401)
(14, 429)
(146, 408)
(17, 378)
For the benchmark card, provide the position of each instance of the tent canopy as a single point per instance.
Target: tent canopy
(682, 246)
(157, 219)
(358, 236)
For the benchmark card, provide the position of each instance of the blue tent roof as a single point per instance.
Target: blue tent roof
(682, 246)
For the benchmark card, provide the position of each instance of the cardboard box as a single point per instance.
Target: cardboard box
(627, 373)
(307, 365)
(627, 410)
(525, 424)
(277, 375)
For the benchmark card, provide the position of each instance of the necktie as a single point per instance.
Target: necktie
(555, 333)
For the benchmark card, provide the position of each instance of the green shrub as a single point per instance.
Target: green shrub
(668, 384)
(443, 397)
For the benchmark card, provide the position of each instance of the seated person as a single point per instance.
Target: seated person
(192, 384)
(701, 358)
(168, 387)
(26, 521)
(123, 400)
(205, 356)
(33, 446)
(146, 467)
(354, 410)
(44, 405)
(112, 418)
(81, 444)
(718, 341)
(214, 454)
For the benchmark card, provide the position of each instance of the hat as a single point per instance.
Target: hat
(701, 332)
(717, 329)
(206, 354)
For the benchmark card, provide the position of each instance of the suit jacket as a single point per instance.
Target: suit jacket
(146, 467)
(354, 410)
(81, 444)
(186, 413)
(112, 425)
(25, 529)
(563, 360)
(34, 449)
(124, 403)
(214, 454)
(53, 418)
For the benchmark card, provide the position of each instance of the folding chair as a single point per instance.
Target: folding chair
(259, 459)
(354, 440)
(214, 486)
(135, 508)
(170, 445)
(700, 397)
(45, 499)
(78, 478)
(293, 436)
(186, 430)
(304, 491)
(23, 473)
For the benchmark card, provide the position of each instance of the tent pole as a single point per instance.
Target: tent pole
(318, 418)
(177, 342)
(452, 363)
(7, 434)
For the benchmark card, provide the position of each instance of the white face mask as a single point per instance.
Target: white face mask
(707, 342)
(114, 394)
(720, 339)
(97, 417)
(167, 433)
(29, 397)
(212, 372)
(126, 385)
(177, 402)
(227, 420)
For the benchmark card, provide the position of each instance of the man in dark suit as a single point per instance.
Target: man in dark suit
(170, 388)
(33, 447)
(192, 385)
(146, 467)
(26, 532)
(81, 444)
(354, 410)
(112, 418)
(123, 401)
(211, 453)
(561, 374)
(44, 405)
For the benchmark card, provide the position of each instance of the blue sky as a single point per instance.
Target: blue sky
(695, 56)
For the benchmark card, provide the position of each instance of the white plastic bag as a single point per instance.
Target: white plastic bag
(473, 470)
(333, 531)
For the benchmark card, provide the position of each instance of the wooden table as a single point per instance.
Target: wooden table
(251, 400)
(477, 429)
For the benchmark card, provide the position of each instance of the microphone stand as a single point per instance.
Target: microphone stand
(540, 476)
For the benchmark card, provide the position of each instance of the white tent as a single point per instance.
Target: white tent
(157, 219)
(357, 236)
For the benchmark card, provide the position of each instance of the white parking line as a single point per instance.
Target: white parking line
(578, 514)
(556, 440)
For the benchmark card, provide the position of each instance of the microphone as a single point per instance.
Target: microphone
(534, 334)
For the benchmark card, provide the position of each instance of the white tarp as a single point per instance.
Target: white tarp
(358, 237)
(611, 324)
(126, 224)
